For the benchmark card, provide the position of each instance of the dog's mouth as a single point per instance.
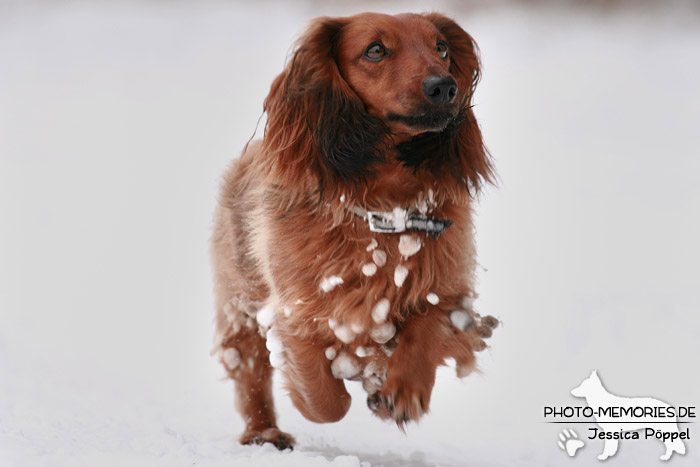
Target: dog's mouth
(434, 119)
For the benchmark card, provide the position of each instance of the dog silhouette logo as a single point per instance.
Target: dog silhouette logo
(623, 417)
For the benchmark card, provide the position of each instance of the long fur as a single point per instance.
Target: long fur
(285, 226)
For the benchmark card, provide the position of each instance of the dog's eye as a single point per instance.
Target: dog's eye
(375, 52)
(442, 49)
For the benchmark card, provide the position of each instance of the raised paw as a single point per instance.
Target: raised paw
(280, 439)
(404, 398)
(378, 405)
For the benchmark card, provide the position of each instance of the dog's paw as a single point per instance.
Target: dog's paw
(569, 442)
(378, 405)
(404, 397)
(280, 439)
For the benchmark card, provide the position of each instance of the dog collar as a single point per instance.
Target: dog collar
(399, 220)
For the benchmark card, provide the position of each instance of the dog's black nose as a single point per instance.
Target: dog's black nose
(440, 90)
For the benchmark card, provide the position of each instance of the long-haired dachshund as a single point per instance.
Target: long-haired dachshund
(343, 242)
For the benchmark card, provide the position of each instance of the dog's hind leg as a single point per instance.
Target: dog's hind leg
(609, 449)
(240, 347)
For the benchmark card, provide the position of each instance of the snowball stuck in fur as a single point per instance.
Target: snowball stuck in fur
(330, 353)
(432, 298)
(379, 257)
(273, 342)
(372, 384)
(364, 351)
(345, 367)
(399, 216)
(468, 303)
(422, 206)
(329, 283)
(373, 377)
(265, 316)
(231, 358)
(369, 269)
(332, 323)
(372, 245)
(400, 274)
(287, 311)
(344, 334)
(409, 245)
(373, 368)
(381, 310)
(460, 319)
(382, 333)
(277, 360)
(357, 328)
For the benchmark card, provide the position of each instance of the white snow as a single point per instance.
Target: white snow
(231, 358)
(381, 310)
(273, 342)
(357, 327)
(369, 269)
(382, 333)
(330, 353)
(109, 109)
(330, 283)
(332, 323)
(398, 218)
(345, 366)
(422, 206)
(432, 298)
(379, 257)
(468, 303)
(373, 368)
(344, 333)
(371, 384)
(277, 359)
(287, 311)
(364, 351)
(400, 275)
(266, 316)
(460, 319)
(372, 245)
(409, 245)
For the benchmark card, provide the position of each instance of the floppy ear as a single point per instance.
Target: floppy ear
(316, 121)
(473, 157)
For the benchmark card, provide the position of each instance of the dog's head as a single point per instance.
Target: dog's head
(358, 90)
(588, 386)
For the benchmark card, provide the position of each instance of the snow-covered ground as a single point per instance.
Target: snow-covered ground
(116, 120)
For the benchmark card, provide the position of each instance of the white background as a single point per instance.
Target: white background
(116, 121)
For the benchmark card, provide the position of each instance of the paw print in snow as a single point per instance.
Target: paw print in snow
(569, 442)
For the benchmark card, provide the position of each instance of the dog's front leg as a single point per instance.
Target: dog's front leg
(314, 391)
(412, 366)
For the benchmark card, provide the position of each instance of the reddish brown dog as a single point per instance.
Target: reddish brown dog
(343, 241)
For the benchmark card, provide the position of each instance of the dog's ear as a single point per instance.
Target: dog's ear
(465, 67)
(316, 120)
